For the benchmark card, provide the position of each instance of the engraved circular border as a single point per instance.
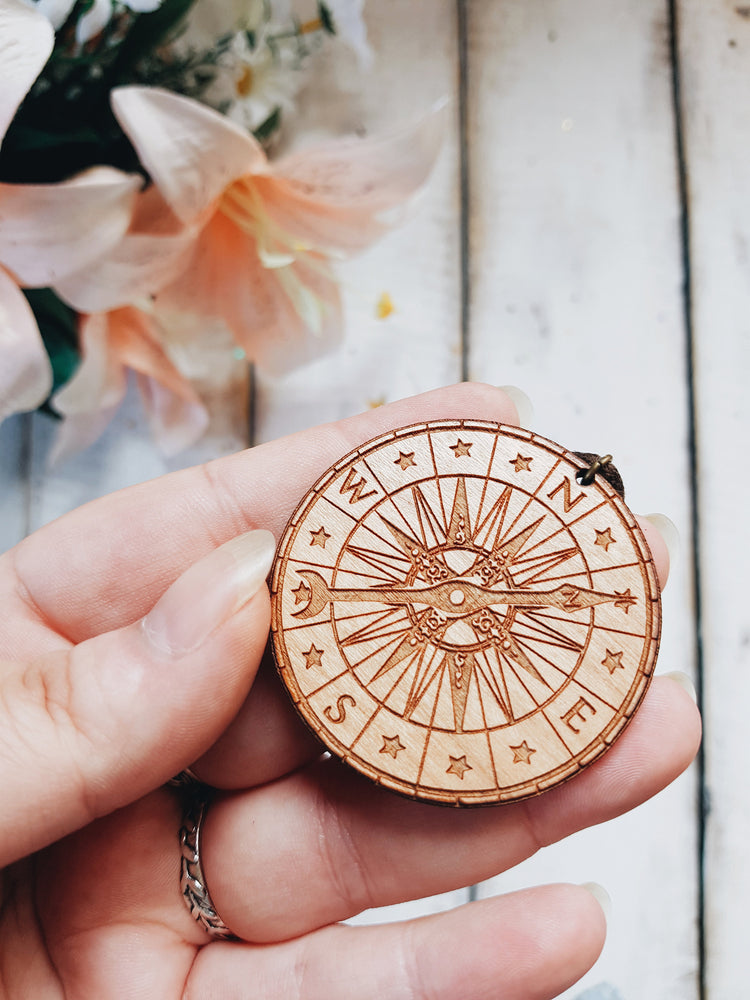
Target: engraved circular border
(573, 765)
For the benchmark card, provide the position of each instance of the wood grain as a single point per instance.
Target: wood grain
(715, 47)
(461, 620)
(575, 296)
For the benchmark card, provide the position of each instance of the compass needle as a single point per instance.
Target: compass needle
(459, 529)
(486, 642)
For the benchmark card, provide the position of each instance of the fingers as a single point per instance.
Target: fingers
(324, 844)
(658, 546)
(87, 729)
(178, 518)
(529, 945)
(266, 740)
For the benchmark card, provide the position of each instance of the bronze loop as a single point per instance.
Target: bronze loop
(587, 476)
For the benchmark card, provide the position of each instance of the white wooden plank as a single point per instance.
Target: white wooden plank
(418, 346)
(14, 445)
(575, 297)
(714, 47)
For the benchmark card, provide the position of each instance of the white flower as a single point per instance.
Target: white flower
(100, 14)
(209, 20)
(262, 82)
(349, 24)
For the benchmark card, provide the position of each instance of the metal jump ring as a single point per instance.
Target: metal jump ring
(587, 476)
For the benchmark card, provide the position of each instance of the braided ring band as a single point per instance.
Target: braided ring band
(192, 881)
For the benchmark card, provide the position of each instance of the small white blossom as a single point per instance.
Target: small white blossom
(252, 83)
(350, 27)
(100, 14)
(208, 20)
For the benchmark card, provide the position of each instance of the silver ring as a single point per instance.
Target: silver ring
(185, 779)
(192, 880)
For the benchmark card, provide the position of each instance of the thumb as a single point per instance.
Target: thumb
(86, 730)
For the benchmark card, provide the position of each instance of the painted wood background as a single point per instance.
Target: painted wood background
(586, 236)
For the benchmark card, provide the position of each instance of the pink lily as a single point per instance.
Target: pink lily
(263, 235)
(114, 344)
(47, 231)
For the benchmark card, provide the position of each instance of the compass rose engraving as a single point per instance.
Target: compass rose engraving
(468, 604)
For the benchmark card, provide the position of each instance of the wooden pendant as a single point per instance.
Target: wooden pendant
(461, 619)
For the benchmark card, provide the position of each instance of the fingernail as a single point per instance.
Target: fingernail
(685, 683)
(523, 404)
(668, 531)
(601, 895)
(209, 593)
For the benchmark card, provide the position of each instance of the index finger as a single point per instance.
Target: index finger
(105, 564)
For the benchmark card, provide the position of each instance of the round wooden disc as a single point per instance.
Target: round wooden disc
(458, 618)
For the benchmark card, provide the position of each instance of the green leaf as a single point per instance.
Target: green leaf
(147, 33)
(266, 129)
(326, 18)
(27, 138)
(57, 325)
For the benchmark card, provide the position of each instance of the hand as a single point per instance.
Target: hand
(133, 631)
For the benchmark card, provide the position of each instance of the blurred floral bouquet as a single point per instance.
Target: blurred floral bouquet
(138, 203)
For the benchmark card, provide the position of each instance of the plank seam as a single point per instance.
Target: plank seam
(464, 209)
(683, 185)
(464, 179)
(25, 463)
(251, 422)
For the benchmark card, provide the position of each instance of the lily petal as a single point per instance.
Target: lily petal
(148, 257)
(176, 423)
(99, 384)
(112, 343)
(282, 318)
(48, 231)
(135, 341)
(177, 416)
(191, 152)
(25, 372)
(26, 41)
(335, 196)
(89, 401)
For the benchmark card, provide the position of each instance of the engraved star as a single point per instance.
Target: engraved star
(459, 766)
(313, 657)
(520, 463)
(604, 538)
(319, 537)
(625, 600)
(612, 661)
(405, 459)
(522, 754)
(301, 594)
(461, 448)
(392, 745)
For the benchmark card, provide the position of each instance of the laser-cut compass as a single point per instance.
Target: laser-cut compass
(458, 617)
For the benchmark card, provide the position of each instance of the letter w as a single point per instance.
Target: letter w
(355, 486)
